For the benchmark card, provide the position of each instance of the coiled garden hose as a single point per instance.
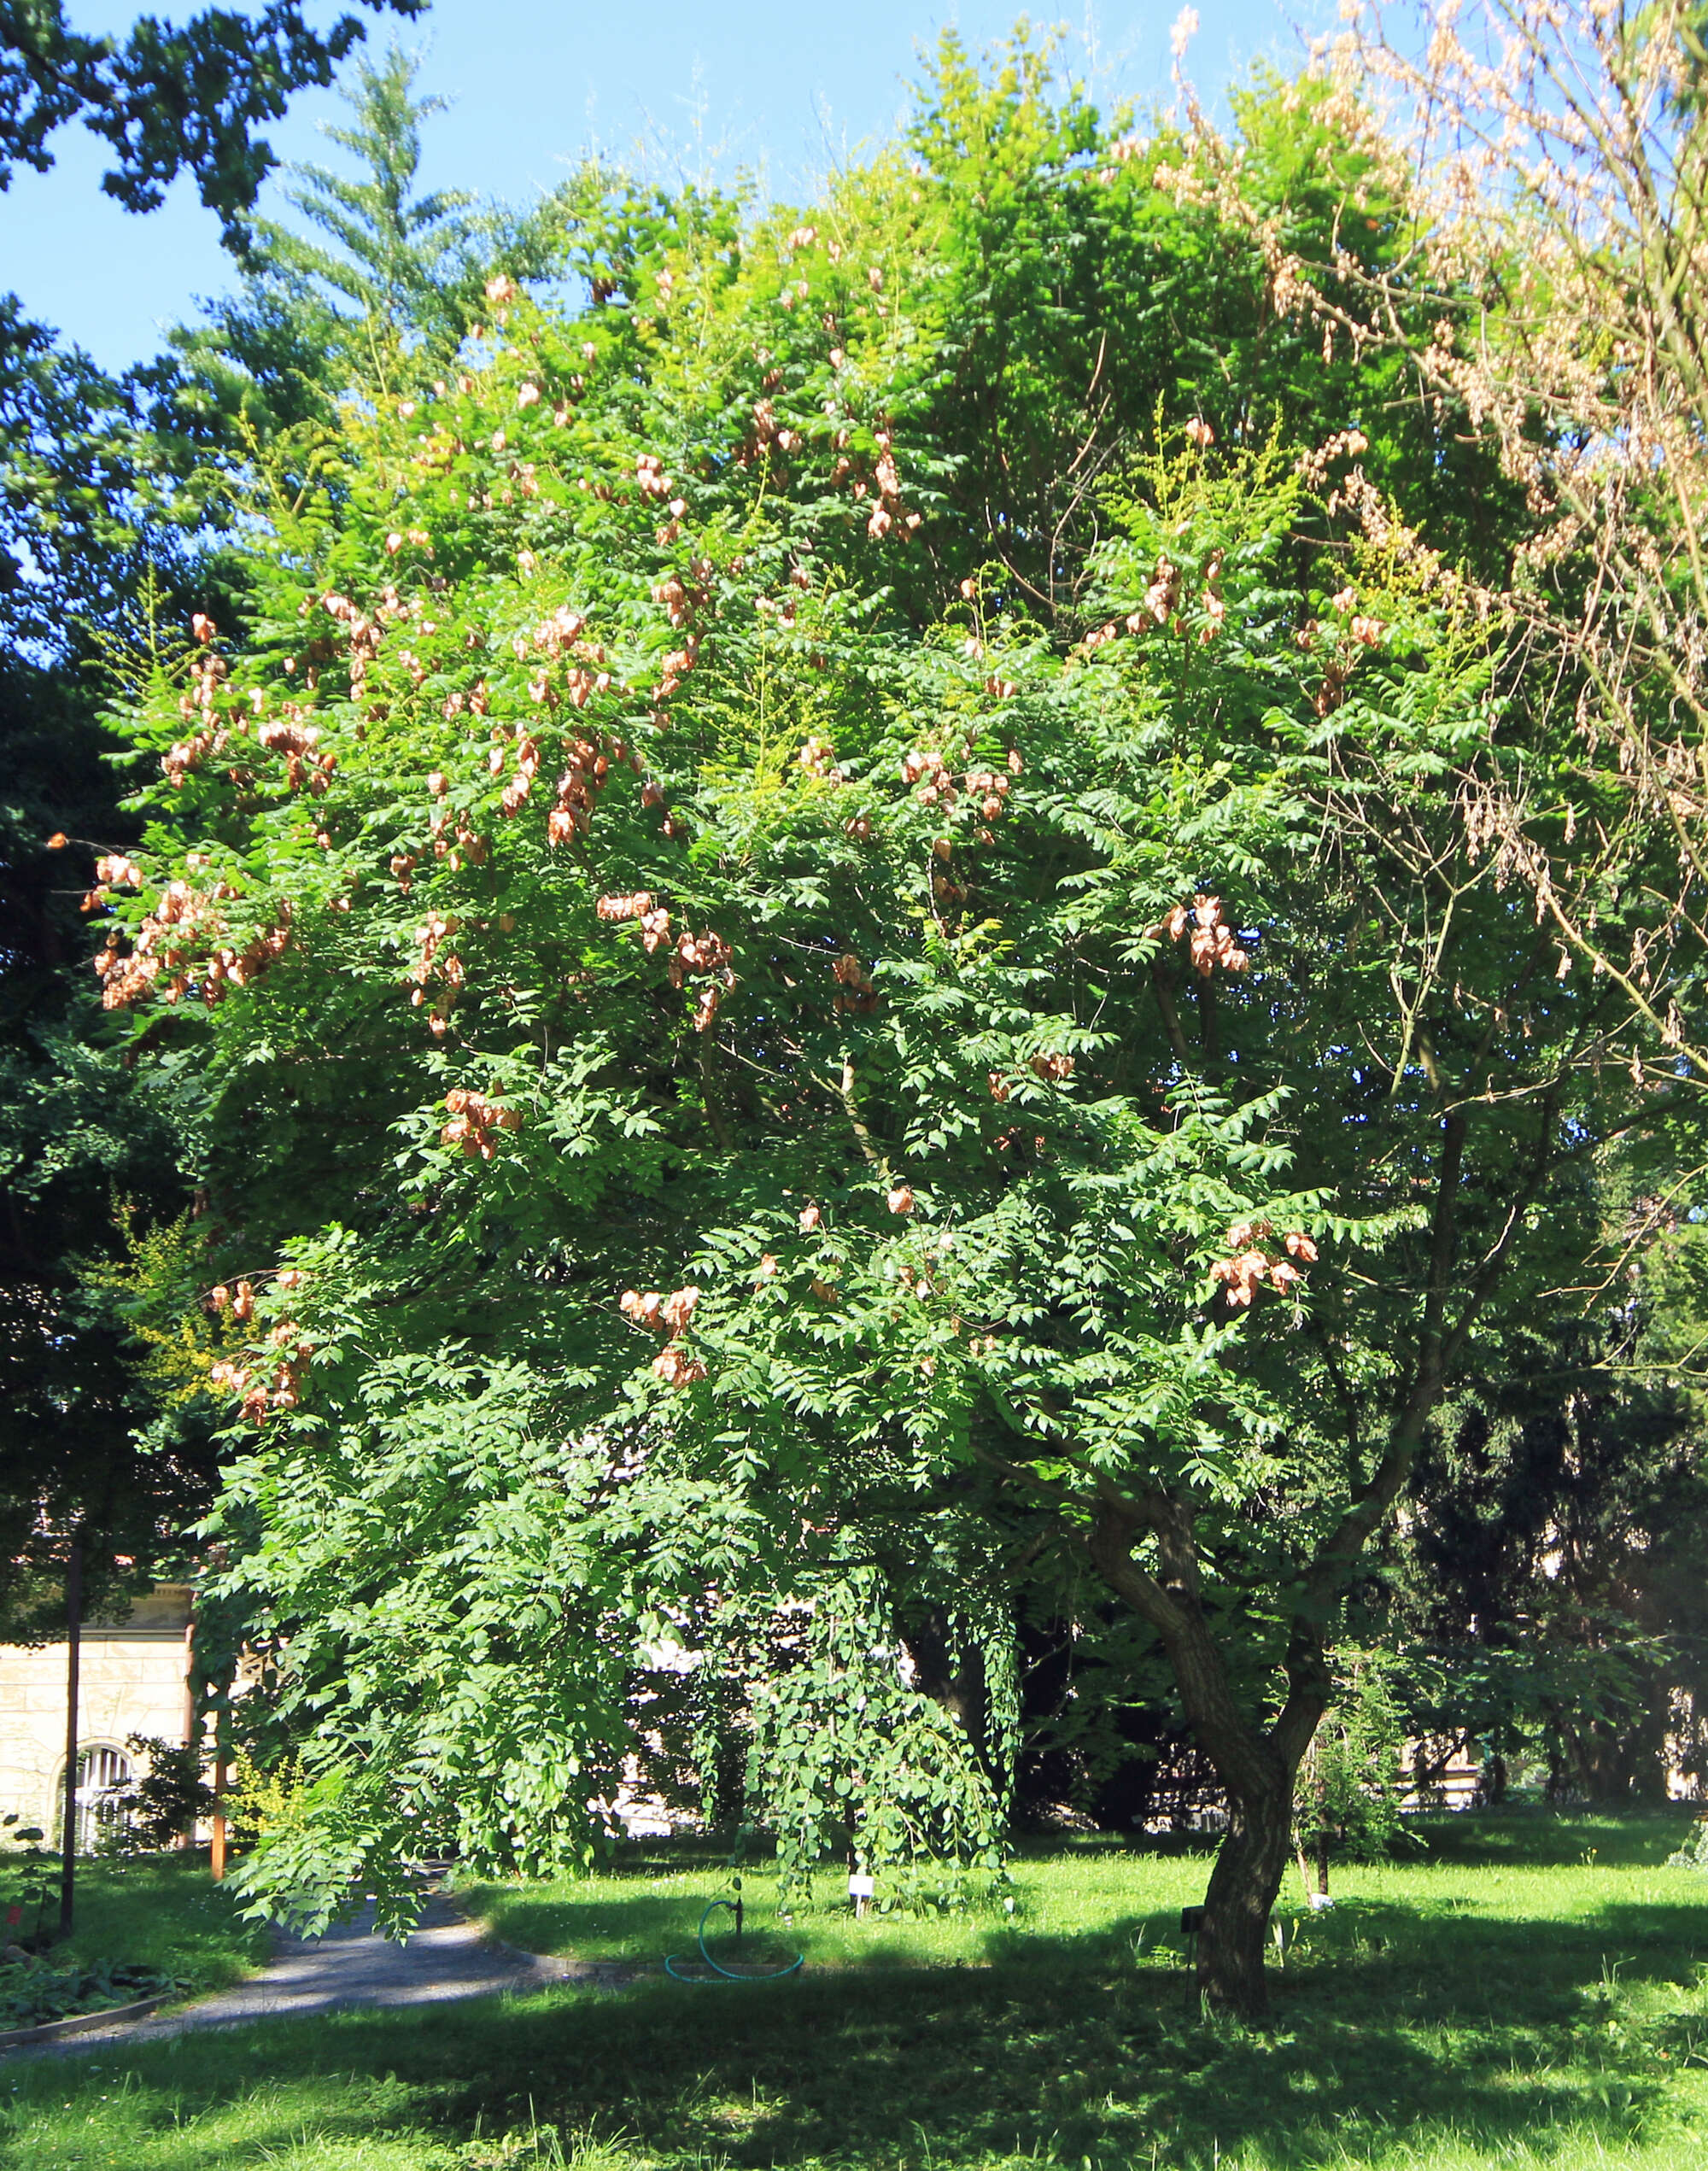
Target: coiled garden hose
(719, 1973)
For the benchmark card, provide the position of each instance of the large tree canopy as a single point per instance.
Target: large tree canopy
(796, 1013)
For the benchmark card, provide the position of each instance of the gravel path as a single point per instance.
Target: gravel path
(446, 1957)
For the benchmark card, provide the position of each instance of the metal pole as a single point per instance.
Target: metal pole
(186, 1838)
(74, 1627)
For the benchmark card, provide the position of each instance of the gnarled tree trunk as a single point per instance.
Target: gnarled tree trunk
(1257, 1765)
(1245, 1883)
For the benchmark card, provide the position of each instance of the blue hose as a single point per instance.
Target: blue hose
(726, 1975)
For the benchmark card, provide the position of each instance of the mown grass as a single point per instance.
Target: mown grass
(651, 1901)
(1099, 1891)
(1510, 1999)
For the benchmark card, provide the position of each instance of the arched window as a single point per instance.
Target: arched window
(104, 1773)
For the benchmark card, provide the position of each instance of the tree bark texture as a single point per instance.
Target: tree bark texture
(1256, 1765)
(1245, 1882)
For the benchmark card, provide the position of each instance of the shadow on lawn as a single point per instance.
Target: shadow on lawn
(1444, 1968)
(1485, 2031)
(1530, 1835)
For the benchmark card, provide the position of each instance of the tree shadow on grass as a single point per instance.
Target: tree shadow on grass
(633, 1926)
(1063, 2063)
(1454, 1968)
(1527, 1836)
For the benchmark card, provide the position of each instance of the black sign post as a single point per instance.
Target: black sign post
(73, 1630)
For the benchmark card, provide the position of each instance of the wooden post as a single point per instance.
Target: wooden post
(73, 1630)
(217, 1850)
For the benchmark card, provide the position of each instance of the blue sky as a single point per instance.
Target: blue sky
(775, 85)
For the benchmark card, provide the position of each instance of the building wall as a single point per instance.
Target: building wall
(132, 1682)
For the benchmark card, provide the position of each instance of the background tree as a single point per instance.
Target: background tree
(1553, 161)
(377, 280)
(1552, 1559)
(168, 100)
(1351, 1782)
(407, 270)
(1080, 302)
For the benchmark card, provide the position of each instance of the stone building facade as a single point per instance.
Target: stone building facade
(134, 1680)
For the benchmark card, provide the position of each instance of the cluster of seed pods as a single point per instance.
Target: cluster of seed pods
(1251, 1262)
(178, 944)
(270, 1378)
(670, 1317)
(1212, 941)
(475, 1119)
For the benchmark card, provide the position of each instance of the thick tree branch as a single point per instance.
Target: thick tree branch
(1439, 1349)
(1171, 1015)
(1248, 1763)
(874, 1160)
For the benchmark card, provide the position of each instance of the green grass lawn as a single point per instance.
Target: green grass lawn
(1529, 1991)
(651, 1903)
(162, 1911)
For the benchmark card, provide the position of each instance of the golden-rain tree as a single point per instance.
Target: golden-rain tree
(757, 1042)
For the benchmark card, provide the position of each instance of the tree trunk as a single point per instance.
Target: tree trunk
(1251, 1862)
(1256, 1766)
(954, 1679)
